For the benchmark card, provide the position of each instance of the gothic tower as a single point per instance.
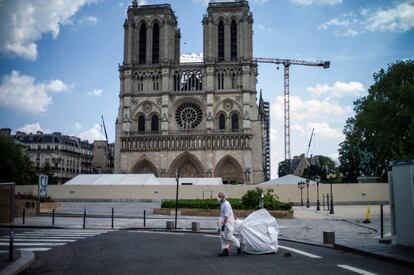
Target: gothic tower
(200, 118)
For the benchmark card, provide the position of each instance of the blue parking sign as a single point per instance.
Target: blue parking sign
(43, 179)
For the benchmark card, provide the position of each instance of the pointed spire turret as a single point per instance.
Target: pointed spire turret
(261, 106)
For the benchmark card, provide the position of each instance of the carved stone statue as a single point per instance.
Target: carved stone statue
(365, 161)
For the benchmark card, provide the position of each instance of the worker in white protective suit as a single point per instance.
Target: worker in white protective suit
(227, 227)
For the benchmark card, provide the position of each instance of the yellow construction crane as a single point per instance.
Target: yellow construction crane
(286, 64)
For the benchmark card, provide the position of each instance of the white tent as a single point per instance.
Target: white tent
(288, 179)
(137, 179)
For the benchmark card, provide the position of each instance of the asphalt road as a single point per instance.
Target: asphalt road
(144, 252)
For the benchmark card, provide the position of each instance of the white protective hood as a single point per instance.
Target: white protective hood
(258, 233)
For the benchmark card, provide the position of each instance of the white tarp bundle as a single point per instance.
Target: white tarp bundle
(258, 233)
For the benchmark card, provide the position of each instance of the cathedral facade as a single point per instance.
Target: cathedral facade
(200, 118)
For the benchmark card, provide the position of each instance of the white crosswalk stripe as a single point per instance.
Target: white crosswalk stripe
(46, 239)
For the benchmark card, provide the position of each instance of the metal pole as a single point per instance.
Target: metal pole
(327, 201)
(53, 217)
(145, 224)
(332, 206)
(84, 217)
(11, 243)
(112, 219)
(24, 215)
(307, 196)
(177, 173)
(318, 204)
(382, 221)
(301, 197)
(287, 111)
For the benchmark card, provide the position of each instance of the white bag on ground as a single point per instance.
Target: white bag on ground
(258, 233)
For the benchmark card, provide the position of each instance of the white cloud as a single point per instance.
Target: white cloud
(192, 57)
(315, 2)
(24, 22)
(96, 92)
(92, 134)
(205, 2)
(339, 89)
(398, 18)
(32, 128)
(91, 20)
(308, 109)
(78, 126)
(22, 93)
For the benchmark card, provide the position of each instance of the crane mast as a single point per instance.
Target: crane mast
(286, 98)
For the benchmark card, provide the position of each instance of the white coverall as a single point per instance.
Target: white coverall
(227, 236)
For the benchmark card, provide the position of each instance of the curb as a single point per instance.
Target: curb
(373, 255)
(25, 260)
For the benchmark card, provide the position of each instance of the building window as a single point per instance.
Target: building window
(155, 44)
(221, 41)
(141, 124)
(233, 81)
(233, 32)
(140, 83)
(188, 115)
(235, 122)
(155, 123)
(143, 44)
(222, 122)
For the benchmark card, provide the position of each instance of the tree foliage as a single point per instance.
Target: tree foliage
(383, 123)
(15, 166)
(283, 168)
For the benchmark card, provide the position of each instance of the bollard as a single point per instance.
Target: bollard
(145, 224)
(24, 215)
(84, 218)
(112, 219)
(11, 243)
(169, 225)
(327, 200)
(382, 220)
(367, 215)
(53, 217)
(328, 237)
(195, 226)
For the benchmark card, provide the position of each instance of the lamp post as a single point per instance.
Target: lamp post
(301, 185)
(307, 193)
(318, 204)
(331, 208)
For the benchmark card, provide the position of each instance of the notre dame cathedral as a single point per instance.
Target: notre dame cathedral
(201, 118)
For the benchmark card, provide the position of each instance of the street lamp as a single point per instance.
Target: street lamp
(318, 204)
(301, 185)
(331, 210)
(307, 191)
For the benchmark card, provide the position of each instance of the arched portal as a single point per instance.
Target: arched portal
(145, 166)
(229, 170)
(189, 166)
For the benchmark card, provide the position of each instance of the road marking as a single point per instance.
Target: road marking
(356, 270)
(385, 235)
(155, 232)
(212, 236)
(63, 234)
(300, 252)
(37, 240)
(35, 249)
(46, 237)
(32, 244)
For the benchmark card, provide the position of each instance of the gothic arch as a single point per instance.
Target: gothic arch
(229, 169)
(189, 166)
(145, 166)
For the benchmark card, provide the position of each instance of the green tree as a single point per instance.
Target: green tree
(15, 165)
(284, 168)
(47, 170)
(383, 123)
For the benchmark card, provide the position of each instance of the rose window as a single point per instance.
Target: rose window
(188, 115)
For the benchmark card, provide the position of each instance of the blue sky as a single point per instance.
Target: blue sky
(59, 61)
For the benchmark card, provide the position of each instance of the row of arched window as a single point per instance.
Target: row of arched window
(233, 40)
(155, 123)
(234, 122)
(142, 50)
